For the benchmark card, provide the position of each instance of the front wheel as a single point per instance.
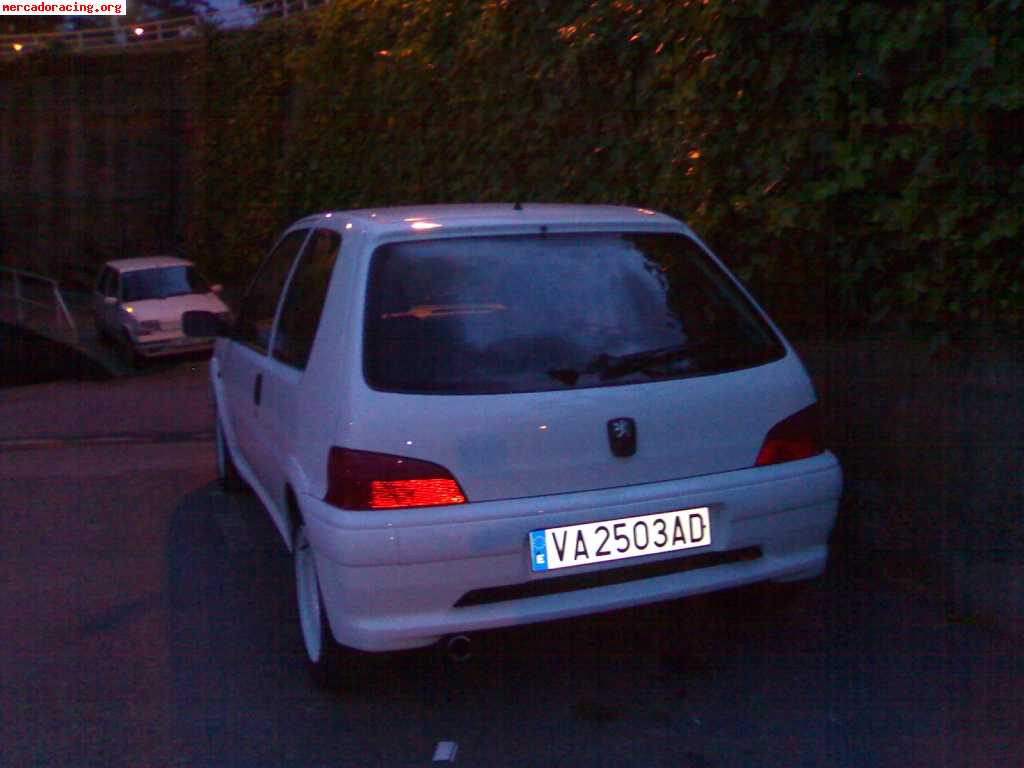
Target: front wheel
(328, 661)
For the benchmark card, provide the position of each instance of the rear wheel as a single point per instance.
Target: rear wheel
(328, 661)
(227, 472)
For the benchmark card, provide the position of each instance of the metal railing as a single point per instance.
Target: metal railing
(182, 30)
(27, 295)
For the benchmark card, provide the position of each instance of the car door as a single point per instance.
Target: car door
(244, 363)
(283, 421)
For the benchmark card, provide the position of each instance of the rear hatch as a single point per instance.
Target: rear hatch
(531, 365)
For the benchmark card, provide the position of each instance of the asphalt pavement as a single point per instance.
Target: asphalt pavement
(149, 620)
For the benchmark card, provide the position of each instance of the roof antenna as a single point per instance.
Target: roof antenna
(518, 206)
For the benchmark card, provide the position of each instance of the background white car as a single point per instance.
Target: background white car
(469, 417)
(138, 303)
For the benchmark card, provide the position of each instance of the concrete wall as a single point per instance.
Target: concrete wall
(92, 153)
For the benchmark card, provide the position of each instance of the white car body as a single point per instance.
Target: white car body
(527, 462)
(149, 327)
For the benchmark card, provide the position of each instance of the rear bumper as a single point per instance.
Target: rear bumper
(391, 580)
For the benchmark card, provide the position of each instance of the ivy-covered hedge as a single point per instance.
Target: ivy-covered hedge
(857, 161)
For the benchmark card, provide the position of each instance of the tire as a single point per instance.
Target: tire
(328, 661)
(227, 472)
(129, 355)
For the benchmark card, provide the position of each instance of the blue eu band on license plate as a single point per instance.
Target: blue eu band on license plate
(627, 537)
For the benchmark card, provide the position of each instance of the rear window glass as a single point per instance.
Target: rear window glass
(482, 315)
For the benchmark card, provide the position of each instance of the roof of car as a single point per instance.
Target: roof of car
(498, 214)
(148, 262)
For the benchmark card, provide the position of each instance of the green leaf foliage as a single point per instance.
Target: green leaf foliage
(857, 162)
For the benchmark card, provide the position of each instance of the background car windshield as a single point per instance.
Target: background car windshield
(161, 282)
(530, 313)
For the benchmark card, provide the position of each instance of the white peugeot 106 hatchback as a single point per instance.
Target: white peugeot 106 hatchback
(472, 416)
(138, 304)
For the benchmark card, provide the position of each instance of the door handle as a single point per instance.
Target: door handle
(257, 388)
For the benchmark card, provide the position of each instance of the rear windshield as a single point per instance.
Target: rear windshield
(161, 282)
(482, 315)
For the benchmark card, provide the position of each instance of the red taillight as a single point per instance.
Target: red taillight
(365, 480)
(796, 437)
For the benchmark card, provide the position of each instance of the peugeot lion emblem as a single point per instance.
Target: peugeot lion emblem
(622, 436)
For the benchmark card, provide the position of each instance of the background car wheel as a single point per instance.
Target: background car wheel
(129, 355)
(328, 661)
(227, 472)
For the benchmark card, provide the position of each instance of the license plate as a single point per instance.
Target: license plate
(619, 539)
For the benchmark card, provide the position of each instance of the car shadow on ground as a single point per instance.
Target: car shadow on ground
(241, 694)
(850, 674)
(114, 358)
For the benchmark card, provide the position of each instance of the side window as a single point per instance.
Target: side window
(304, 300)
(256, 316)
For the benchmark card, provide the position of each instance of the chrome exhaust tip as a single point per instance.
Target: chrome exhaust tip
(460, 648)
